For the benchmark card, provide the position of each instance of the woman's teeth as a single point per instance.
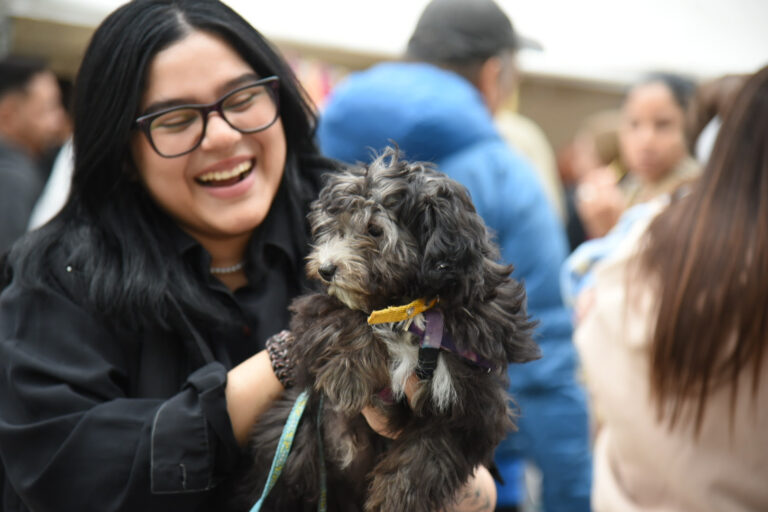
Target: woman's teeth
(217, 176)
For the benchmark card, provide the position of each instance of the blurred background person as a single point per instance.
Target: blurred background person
(56, 190)
(438, 105)
(595, 145)
(32, 124)
(654, 162)
(674, 343)
(654, 148)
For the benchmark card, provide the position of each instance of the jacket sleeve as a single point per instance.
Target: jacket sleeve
(70, 436)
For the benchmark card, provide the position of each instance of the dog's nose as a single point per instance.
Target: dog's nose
(327, 271)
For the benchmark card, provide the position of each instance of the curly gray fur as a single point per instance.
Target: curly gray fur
(386, 234)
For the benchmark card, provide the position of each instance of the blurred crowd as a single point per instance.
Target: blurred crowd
(642, 243)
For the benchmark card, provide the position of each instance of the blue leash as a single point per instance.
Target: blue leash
(322, 504)
(284, 448)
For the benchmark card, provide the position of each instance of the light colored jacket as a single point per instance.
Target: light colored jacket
(640, 464)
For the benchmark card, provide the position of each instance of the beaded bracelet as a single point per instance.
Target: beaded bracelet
(277, 348)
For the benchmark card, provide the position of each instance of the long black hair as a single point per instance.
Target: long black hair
(113, 231)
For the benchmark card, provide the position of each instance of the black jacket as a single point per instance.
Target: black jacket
(93, 417)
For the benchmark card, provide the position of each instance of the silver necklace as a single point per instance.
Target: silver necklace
(228, 270)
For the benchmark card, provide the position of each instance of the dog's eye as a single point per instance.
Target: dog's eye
(374, 230)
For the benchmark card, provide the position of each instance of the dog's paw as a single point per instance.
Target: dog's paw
(346, 389)
(398, 491)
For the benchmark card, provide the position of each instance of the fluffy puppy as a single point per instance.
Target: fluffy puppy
(387, 235)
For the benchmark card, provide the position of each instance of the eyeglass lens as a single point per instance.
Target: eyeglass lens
(247, 110)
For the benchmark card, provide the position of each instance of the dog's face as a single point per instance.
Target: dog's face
(391, 232)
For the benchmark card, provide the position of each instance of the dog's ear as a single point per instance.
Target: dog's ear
(452, 237)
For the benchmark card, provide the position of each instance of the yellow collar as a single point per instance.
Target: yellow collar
(400, 313)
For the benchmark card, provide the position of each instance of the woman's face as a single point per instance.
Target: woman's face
(652, 133)
(225, 187)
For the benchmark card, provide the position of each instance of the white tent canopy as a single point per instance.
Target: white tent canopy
(612, 40)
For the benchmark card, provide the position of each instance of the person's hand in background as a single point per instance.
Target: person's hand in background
(599, 201)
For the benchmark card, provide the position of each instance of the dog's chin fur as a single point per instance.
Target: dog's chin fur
(346, 297)
(386, 235)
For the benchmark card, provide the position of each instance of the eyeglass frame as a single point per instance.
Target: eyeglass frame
(144, 122)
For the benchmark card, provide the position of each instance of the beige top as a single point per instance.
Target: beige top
(639, 464)
(636, 191)
(528, 138)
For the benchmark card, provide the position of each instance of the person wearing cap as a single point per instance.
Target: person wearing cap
(437, 104)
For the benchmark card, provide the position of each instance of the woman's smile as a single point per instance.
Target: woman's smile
(226, 177)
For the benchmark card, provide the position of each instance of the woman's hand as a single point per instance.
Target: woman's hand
(478, 495)
(378, 422)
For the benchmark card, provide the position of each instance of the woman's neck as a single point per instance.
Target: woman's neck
(226, 253)
(227, 258)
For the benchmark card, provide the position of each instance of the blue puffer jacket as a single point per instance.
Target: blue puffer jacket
(438, 116)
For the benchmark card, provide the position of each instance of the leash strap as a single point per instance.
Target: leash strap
(283, 447)
(322, 504)
(429, 348)
(433, 337)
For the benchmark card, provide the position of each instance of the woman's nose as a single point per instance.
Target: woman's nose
(218, 133)
(646, 135)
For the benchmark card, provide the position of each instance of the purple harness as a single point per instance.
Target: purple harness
(433, 338)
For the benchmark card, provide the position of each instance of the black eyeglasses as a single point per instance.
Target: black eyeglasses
(179, 130)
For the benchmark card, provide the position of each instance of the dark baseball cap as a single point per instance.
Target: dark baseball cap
(464, 30)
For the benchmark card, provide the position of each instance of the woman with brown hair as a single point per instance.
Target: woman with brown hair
(674, 341)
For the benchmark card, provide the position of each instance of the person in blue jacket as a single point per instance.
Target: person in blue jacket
(437, 105)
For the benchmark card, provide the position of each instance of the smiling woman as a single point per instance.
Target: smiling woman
(155, 291)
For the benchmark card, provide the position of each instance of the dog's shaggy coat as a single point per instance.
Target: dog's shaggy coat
(385, 235)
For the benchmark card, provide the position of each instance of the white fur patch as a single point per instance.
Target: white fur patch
(347, 451)
(335, 251)
(348, 299)
(443, 392)
(405, 359)
(338, 253)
